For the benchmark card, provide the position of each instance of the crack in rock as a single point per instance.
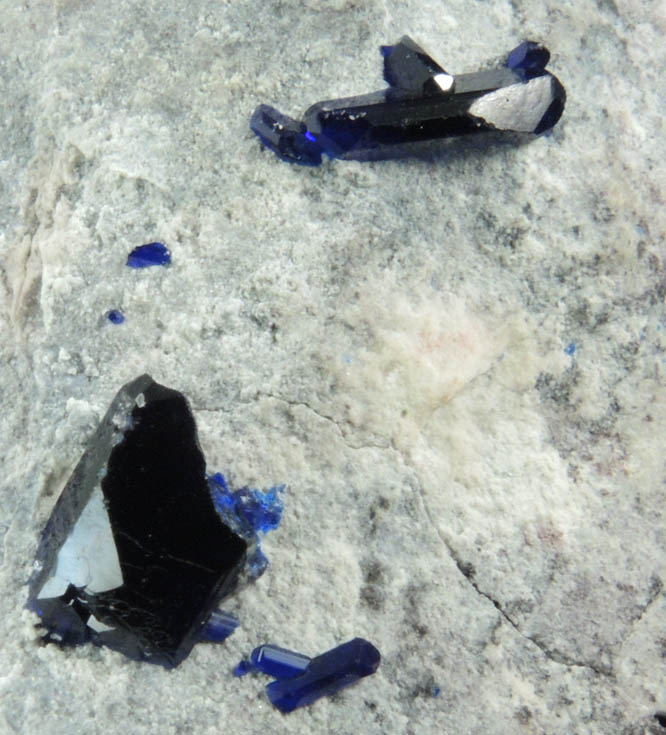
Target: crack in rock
(467, 570)
(325, 417)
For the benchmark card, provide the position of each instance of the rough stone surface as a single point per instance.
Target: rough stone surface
(390, 339)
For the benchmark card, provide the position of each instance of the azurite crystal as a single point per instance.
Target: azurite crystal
(134, 555)
(422, 102)
(324, 675)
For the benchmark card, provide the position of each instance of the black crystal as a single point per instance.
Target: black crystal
(423, 102)
(134, 555)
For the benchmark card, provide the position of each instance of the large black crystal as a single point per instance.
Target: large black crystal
(134, 555)
(422, 102)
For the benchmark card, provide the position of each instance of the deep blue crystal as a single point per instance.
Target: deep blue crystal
(278, 662)
(134, 555)
(529, 59)
(325, 674)
(115, 316)
(219, 627)
(286, 137)
(422, 102)
(154, 253)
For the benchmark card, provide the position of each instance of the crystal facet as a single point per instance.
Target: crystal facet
(423, 102)
(325, 674)
(134, 555)
(219, 627)
(278, 662)
(154, 253)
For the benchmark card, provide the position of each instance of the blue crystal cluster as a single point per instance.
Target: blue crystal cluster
(422, 102)
(300, 680)
(248, 512)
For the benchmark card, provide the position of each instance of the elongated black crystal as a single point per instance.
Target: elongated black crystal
(423, 102)
(134, 555)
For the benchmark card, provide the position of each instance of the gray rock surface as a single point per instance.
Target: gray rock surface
(389, 339)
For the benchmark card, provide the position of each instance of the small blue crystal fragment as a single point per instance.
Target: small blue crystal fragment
(286, 137)
(325, 674)
(278, 662)
(242, 667)
(528, 60)
(154, 253)
(219, 627)
(115, 316)
(570, 348)
(436, 692)
(257, 563)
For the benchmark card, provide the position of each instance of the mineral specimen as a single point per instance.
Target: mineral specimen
(422, 102)
(135, 555)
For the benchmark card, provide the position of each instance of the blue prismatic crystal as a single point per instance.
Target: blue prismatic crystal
(423, 102)
(325, 674)
(154, 253)
(115, 316)
(219, 627)
(529, 59)
(278, 662)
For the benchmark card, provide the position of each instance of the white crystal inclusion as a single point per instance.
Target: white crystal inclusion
(88, 558)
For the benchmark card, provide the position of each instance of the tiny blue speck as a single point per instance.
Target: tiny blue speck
(570, 348)
(348, 359)
(154, 253)
(115, 316)
(310, 137)
(436, 691)
(243, 667)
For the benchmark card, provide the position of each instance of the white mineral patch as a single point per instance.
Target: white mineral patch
(88, 558)
(519, 107)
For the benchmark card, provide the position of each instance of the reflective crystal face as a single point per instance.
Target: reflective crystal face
(135, 555)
